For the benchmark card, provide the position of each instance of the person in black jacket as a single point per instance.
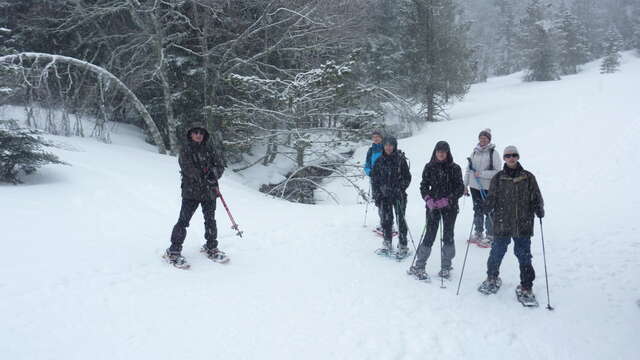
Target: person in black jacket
(200, 167)
(441, 187)
(390, 179)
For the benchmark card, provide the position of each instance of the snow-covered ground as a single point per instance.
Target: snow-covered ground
(81, 276)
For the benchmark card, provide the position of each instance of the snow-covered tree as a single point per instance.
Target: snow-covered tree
(573, 45)
(538, 45)
(592, 18)
(21, 152)
(437, 62)
(612, 46)
(508, 57)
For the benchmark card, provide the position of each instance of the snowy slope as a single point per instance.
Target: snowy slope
(82, 276)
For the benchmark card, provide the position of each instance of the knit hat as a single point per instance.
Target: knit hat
(486, 132)
(376, 132)
(510, 150)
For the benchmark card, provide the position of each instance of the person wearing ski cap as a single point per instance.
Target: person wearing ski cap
(441, 187)
(390, 178)
(200, 167)
(514, 198)
(373, 154)
(481, 168)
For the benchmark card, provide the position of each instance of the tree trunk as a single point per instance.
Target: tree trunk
(151, 125)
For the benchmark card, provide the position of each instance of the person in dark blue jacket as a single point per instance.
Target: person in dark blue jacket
(373, 154)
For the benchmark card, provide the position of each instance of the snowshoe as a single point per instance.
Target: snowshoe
(485, 242)
(215, 255)
(490, 286)
(475, 237)
(176, 260)
(526, 297)
(378, 230)
(419, 274)
(402, 253)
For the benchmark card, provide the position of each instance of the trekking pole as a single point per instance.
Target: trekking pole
(405, 221)
(464, 262)
(424, 231)
(366, 208)
(546, 278)
(441, 247)
(234, 226)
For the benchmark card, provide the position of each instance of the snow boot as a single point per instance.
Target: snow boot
(476, 237)
(445, 273)
(402, 252)
(175, 259)
(485, 242)
(419, 274)
(215, 254)
(526, 297)
(491, 285)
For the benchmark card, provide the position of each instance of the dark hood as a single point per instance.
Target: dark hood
(198, 125)
(442, 145)
(391, 141)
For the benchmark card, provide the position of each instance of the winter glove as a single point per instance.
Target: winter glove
(540, 213)
(210, 177)
(442, 203)
(431, 204)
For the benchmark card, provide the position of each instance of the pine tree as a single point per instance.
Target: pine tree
(537, 44)
(508, 58)
(437, 61)
(20, 151)
(612, 46)
(572, 42)
(590, 16)
(382, 47)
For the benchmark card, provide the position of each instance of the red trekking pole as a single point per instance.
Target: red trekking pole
(234, 226)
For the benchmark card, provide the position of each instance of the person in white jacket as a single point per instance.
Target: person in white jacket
(482, 165)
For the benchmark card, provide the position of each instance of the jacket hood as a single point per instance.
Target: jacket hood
(390, 140)
(198, 126)
(442, 145)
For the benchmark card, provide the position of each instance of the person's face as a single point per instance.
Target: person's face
(197, 135)
(388, 148)
(484, 141)
(511, 159)
(377, 139)
(441, 155)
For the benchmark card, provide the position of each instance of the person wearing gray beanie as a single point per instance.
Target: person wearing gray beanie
(481, 168)
(514, 198)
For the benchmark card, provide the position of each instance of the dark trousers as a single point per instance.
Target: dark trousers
(187, 210)
(480, 219)
(522, 250)
(387, 207)
(448, 216)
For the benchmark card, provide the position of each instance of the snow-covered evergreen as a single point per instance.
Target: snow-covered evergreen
(612, 47)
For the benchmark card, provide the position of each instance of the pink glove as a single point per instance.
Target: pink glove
(442, 203)
(431, 204)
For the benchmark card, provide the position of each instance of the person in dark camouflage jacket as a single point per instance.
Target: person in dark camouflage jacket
(514, 198)
(200, 167)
